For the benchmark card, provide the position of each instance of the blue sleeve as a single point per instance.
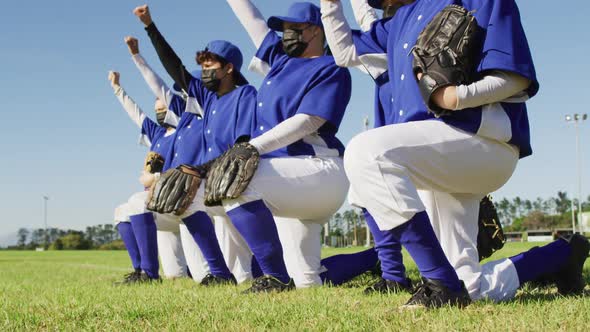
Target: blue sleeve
(177, 105)
(151, 129)
(328, 95)
(246, 114)
(271, 49)
(198, 90)
(505, 46)
(373, 41)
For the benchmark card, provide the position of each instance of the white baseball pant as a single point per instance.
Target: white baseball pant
(302, 193)
(388, 165)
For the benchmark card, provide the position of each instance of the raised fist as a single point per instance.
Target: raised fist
(114, 78)
(143, 12)
(132, 44)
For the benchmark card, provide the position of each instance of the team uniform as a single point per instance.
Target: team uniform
(138, 237)
(457, 158)
(299, 183)
(224, 119)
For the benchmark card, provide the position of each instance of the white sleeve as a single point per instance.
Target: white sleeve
(498, 86)
(155, 82)
(287, 132)
(251, 19)
(364, 14)
(339, 34)
(134, 112)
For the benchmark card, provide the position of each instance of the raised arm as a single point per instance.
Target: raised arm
(154, 82)
(364, 14)
(168, 57)
(134, 112)
(251, 19)
(339, 34)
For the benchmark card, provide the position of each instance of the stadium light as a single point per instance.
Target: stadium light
(575, 119)
(45, 199)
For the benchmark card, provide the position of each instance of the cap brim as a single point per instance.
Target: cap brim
(242, 80)
(276, 22)
(375, 4)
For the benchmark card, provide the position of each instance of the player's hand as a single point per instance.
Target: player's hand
(143, 12)
(132, 45)
(147, 179)
(114, 78)
(445, 97)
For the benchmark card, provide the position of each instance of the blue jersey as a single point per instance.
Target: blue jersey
(505, 48)
(177, 105)
(157, 139)
(225, 118)
(299, 85)
(188, 141)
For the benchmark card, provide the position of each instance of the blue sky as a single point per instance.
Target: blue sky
(65, 135)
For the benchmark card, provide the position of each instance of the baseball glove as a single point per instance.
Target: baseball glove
(490, 237)
(175, 190)
(446, 53)
(154, 163)
(231, 173)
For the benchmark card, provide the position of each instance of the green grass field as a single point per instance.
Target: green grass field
(73, 291)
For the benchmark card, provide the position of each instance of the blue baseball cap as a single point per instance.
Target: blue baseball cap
(299, 12)
(231, 53)
(376, 3)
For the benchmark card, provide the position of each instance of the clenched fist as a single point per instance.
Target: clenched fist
(143, 12)
(147, 179)
(114, 78)
(132, 44)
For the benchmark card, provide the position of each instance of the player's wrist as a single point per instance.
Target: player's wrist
(446, 97)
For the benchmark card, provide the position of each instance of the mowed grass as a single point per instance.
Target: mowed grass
(73, 291)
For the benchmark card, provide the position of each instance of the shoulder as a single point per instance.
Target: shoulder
(246, 91)
(328, 66)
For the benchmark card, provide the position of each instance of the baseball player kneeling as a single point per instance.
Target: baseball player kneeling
(461, 129)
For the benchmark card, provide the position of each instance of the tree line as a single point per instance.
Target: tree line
(346, 227)
(516, 215)
(94, 237)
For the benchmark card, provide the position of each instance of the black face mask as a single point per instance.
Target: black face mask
(389, 11)
(293, 43)
(210, 80)
(160, 116)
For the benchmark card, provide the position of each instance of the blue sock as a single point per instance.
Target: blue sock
(126, 232)
(342, 268)
(418, 237)
(256, 270)
(202, 230)
(539, 261)
(256, 224)
(146, 235)
(389, 250)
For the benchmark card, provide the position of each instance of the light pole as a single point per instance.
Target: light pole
(575, 118)
(45, 199)
(368, 243)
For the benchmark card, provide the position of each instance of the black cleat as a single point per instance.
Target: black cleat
(385, 286)
(267, 284)
(569, 279)
(211, 280)
(138, 277)
(433, 294)
(128, 277)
